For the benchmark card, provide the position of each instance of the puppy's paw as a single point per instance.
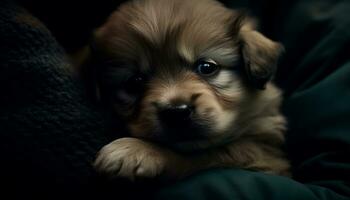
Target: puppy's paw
(131, 158)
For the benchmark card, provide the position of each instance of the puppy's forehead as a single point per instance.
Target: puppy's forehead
(155, 31)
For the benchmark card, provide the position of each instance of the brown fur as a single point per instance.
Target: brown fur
(238, 108)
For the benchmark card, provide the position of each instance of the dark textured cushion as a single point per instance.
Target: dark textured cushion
(49, 132)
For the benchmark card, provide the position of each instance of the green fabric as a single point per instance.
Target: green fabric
(240, 184)
(315, 76)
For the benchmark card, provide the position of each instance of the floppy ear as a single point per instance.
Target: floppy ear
(260, 54)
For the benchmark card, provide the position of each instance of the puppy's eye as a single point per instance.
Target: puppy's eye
(135, 84)
(206, 67)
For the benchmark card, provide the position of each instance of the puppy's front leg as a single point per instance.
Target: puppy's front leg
(134, 158)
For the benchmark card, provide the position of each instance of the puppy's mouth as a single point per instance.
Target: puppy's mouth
(187, 137)
(180, 127)
(185, 131)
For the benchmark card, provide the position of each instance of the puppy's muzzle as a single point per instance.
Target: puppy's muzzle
(174, 115)
(177, 122)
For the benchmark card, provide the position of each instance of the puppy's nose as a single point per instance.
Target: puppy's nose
(175, 114)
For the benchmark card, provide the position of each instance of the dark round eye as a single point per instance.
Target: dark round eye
(207, 67)
(135, 83)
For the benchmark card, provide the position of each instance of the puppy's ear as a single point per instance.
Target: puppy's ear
(260, 54)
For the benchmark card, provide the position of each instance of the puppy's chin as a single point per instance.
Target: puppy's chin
(189, 139)
(195, 133)
(197, 145)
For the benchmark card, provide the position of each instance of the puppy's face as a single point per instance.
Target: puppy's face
(181, 72)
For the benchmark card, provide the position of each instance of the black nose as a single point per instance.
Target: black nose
(175, 114)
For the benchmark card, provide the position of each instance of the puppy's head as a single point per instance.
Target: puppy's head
(182, 72)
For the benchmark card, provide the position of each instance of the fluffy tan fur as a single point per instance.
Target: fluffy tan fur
(165, 37)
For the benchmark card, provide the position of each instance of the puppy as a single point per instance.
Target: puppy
(191, 81)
